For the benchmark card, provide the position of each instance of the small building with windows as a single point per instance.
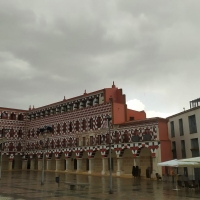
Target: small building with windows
(184, 133)
(80, 139)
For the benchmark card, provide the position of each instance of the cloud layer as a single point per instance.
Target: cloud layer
(50, 49)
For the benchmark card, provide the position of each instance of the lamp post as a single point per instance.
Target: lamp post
(110, 161)
(44, 132)
(2, 141)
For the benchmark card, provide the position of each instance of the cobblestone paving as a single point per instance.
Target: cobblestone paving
(26, 185)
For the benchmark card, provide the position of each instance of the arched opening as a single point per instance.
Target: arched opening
(77, 125)
(98, 122)
(52, 163)
(91, 123)
(20, 117)
(84, 125)
(70, 127)
(128, 161)
(64, 128)
(17, 162)
(98, 162)
(145, 160)
(85, 161)
(12, 116)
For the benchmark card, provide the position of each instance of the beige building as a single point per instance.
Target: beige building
(184, 132)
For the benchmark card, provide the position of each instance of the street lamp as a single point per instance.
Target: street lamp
(44, 132)
(109, 119)
(2, 141)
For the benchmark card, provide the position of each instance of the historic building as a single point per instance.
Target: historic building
(79, 140)
(184, 133)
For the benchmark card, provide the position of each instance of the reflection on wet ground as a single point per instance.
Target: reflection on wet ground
(23, 185)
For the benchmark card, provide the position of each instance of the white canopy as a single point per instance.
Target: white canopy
(194, 159)
(179, 163)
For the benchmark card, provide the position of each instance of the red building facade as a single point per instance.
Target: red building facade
(78, 143)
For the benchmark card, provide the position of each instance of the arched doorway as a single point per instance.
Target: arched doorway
(128, 161)
(145, 160)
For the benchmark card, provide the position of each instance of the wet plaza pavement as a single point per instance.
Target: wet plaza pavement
(22, 185)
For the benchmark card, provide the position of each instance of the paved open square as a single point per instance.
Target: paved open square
(23, 185)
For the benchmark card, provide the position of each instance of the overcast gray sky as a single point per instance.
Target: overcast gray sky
(150, 48)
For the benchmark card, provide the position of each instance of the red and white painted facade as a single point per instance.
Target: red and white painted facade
(78, 142)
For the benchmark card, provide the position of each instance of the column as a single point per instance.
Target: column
(137, 161)
(48, 164)
(58, 164)
(119, 166)
(104, 166)
(39, 164)
(10, 164)
(24, 164)
(79, 165)
(68, 164)
(91, 165)
(32, 163)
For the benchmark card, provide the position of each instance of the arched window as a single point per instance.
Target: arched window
(91, 123)
(77, 125)
(99, 122)
(12, 116)
(64, 128)
(12, 133)
(70, 127)
(58, 128)
(84, 124)
(4, 115)
(20, 133)
(20, 117)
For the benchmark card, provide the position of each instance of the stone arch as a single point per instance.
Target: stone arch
(17, 162)
(85, 161)
(98, 162)
(53, 162)
(128, 161)
(145, 160)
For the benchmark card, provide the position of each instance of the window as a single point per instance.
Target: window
(91, 123)
(70, 127)
(181, 126)
(172, 129)
(192, 124)
(77, 125)
(91, 140)
(183, 148)
(131, 118)
(83, 141)
(195, 147)
(174, 149)
(84, 125)
(99, 122)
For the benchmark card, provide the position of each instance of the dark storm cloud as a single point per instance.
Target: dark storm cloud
(50, 49)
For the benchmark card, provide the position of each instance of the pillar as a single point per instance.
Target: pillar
(79, 165)
(104, 166)
(58, 164)
(137, 161)
(39, 164)
(91, 165)
(32, 163)
(48, 164)
(68, 164)
(24, 164)
(119, 166)
(10, 164)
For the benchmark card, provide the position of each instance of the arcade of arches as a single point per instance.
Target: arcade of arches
(92, 165)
